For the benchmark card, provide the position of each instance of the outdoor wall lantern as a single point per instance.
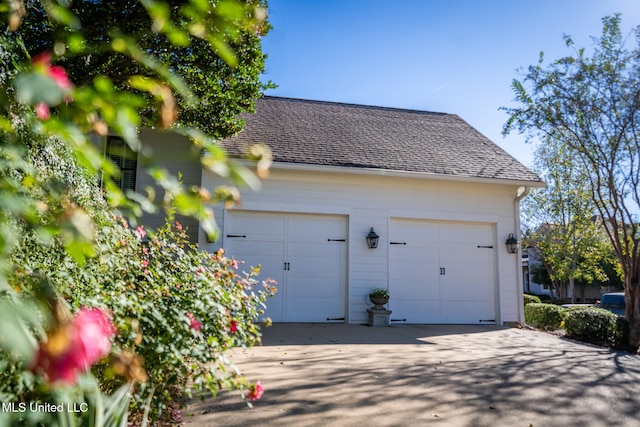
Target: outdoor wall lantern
(512, 244)
(372, 239)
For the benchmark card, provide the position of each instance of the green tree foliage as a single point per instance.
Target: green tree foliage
(563, 230)
(540, 275)
(591, 104)
(221, 69)
(63, 255)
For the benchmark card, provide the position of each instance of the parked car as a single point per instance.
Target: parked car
(614, 302)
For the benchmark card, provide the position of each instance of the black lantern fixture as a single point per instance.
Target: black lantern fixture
(372, 239)
(512, 244)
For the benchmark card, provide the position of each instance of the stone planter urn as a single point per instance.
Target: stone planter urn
(378, 315)
(378, 301)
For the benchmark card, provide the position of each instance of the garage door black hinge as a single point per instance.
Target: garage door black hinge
(336, 240)
(485, 246)
(397, 243)
(237, 235)
(329, 319)
(487, 320)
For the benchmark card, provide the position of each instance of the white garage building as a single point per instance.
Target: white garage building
(442, 198)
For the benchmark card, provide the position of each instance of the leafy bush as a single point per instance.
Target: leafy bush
(177, 310)
(622, 335)
(68, 269)
(528, 299)
(544, 316)
(594, 325)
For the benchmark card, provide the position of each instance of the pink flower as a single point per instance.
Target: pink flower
(59, 75)
(176, 415)
(233, 327)
(73, 348)
(145, 264)
(193, 323)
(54, 72)
(234, 264)
(94, 330)
(255, 391)
(42, 111)
(139, 232)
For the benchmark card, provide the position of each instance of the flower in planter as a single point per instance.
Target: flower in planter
(380, 292)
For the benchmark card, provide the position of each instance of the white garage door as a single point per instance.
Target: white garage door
(305, 254)
(441, 272)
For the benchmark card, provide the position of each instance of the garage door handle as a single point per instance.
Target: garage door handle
(397, 243)
(336, 240)
(237, 235)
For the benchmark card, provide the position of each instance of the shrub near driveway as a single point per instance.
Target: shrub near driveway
(180, 309)
(528, 299)
(588, 324)
(177, 310)
(544, 316)
(595, 325)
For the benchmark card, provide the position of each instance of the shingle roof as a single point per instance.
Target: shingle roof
(348, 135)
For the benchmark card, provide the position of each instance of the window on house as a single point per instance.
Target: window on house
(126, 159)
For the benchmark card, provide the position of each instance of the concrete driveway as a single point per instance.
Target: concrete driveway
(436, 375)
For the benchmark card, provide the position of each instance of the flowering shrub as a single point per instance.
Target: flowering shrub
(179, 308)
(89, 314)
(48, 382)
(176, 309)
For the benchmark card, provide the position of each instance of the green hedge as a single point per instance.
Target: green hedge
(544, 316)
(596, 326)
(528, 299)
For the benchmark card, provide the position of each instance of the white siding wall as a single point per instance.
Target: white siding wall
(177, 155)
(371, 201)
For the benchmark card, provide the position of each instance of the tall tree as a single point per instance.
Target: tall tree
(592, 104)
(560, 220)
(223, 81)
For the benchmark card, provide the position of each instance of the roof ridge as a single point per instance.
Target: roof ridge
(332, 134)
(352, 105)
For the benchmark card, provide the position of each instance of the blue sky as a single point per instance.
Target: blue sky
(453, 56)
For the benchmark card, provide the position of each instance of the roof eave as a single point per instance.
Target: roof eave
(404, 174)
